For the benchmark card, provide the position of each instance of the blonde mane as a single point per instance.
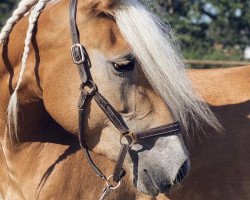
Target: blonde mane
(154, 46)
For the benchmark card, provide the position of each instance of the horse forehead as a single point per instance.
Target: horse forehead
(104, 34)
(97, 31)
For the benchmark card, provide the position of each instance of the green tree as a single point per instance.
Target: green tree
(6, 7)
(208, 29)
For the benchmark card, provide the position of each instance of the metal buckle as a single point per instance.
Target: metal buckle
(80, 49)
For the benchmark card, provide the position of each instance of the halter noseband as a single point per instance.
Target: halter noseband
(80, 58)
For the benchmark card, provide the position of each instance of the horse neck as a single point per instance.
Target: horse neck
(30, 91)
(51, 32)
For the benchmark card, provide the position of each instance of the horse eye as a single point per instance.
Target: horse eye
(125, 65)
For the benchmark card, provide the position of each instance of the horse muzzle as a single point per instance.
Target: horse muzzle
(161, 166)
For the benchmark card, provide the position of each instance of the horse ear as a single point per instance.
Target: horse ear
(104, 7)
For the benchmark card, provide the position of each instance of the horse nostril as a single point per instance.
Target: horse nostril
(182, 172)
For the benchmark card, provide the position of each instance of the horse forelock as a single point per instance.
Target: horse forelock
(154, 45)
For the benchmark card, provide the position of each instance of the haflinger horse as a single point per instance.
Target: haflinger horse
(133, 89)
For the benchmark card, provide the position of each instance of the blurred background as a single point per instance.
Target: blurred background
(211, 33)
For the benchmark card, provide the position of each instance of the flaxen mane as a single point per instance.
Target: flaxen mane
(152, 43)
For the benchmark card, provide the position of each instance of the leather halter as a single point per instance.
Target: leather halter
(81, 59)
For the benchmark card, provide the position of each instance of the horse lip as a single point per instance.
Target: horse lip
(151, 190)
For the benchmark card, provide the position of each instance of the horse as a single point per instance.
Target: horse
(132, 80)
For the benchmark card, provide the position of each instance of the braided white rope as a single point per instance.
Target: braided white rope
(23, 7)
(12, 107)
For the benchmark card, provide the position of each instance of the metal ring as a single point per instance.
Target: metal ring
(92, 87)
(111, 186)
(130, 138)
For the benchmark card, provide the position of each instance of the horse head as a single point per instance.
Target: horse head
(134, 61)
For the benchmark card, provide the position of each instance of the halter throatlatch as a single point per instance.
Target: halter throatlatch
(89, 91)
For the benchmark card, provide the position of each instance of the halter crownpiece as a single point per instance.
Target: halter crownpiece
(128, 138)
